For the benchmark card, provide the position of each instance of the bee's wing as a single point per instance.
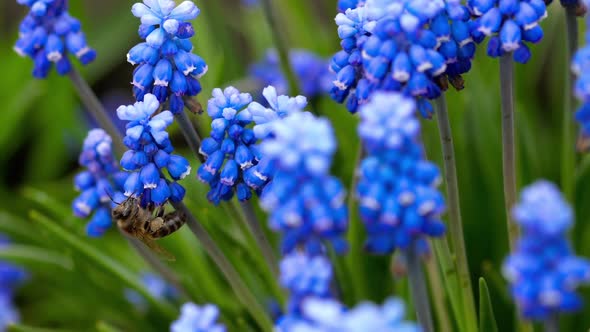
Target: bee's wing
(150, 243)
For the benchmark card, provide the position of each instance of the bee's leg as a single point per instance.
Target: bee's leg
(171, 223)
(160, 212)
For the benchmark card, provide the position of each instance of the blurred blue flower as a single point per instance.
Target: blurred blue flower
(581, 68)
(343, 5)
(543, 271)
(305, 203)
(250, 3)
(305, 276)
(100, 184)
(509, 24)
(397, 189)
(167, 68)
(8, 311)
(10, 277)
(150, 152)
(197, 319)
(48, 34)
(406, 46)
(326, 315)
(157, 287)
(315, 78)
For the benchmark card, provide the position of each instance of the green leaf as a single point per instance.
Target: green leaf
(103, 326)
(28, 255)
(487, 321)
(24, 328)
(109, 265)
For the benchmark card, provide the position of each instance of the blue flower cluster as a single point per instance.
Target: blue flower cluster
(305, 276)
(407, 46)
(48, 34)
(581, 67)
(157, 287)
(510, 24)
(234, 164)
(327, 315)
(10, 277)
(305, 203)
(101, 184)
(197, 319)
(167, 67)
(544, 271)
(315, 78)
(150, 152)
(397, 190)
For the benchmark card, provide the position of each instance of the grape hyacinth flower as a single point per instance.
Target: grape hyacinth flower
(343, 5)
(397, 189)
(167, 68)
(305, 203)
(234, 164)
(581, 68)
(48, 35)
(410, 46)
(543, 271)
(315, 78)
(197, 319)
(509, 24)
(150, 152)
(231, 150)
(101, 184)
(10, 277)
(327, 315)
(305, 276)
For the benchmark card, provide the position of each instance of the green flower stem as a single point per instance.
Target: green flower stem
(552, 324)
(508, 143)
(568, 155)
(281, 44)
(256, 229)
(455, 224)
(419, 290)
(451, 283)
(435, 280)
(96, 110)
(243, 293)
(190, 134)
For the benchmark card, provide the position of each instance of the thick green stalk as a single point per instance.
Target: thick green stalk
(435, 279)
(568, 153)
(96, 110)
(240, 288)
(190, 134)
(508, 143)
(453, 203)
(419, 290)
(256, 229)
(281, 44)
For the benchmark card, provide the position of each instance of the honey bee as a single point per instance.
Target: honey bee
(141, 223)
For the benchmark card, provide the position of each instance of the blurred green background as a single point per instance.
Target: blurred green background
(42, 125)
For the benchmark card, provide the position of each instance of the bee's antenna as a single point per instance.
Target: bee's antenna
(111, 197)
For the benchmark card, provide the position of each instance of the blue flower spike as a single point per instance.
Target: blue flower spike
(49, 35)
(166, 65)
(511, 25)
(150, 153)
(399, 202)
(543, 271)
(413, 47)
(305, 203)
(100, 184)
(198, 319)
(11, 276)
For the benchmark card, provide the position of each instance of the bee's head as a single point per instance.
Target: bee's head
(125, 209)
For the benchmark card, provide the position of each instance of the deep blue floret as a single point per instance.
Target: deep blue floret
(305, 203)
(100, 184)
(197, 319)
(543, 271)
(10, 277)
(315, 78)
(397, 190)
(150, 153)
(343, 5)
(167, 68)
(48, 35)
(511, 25)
